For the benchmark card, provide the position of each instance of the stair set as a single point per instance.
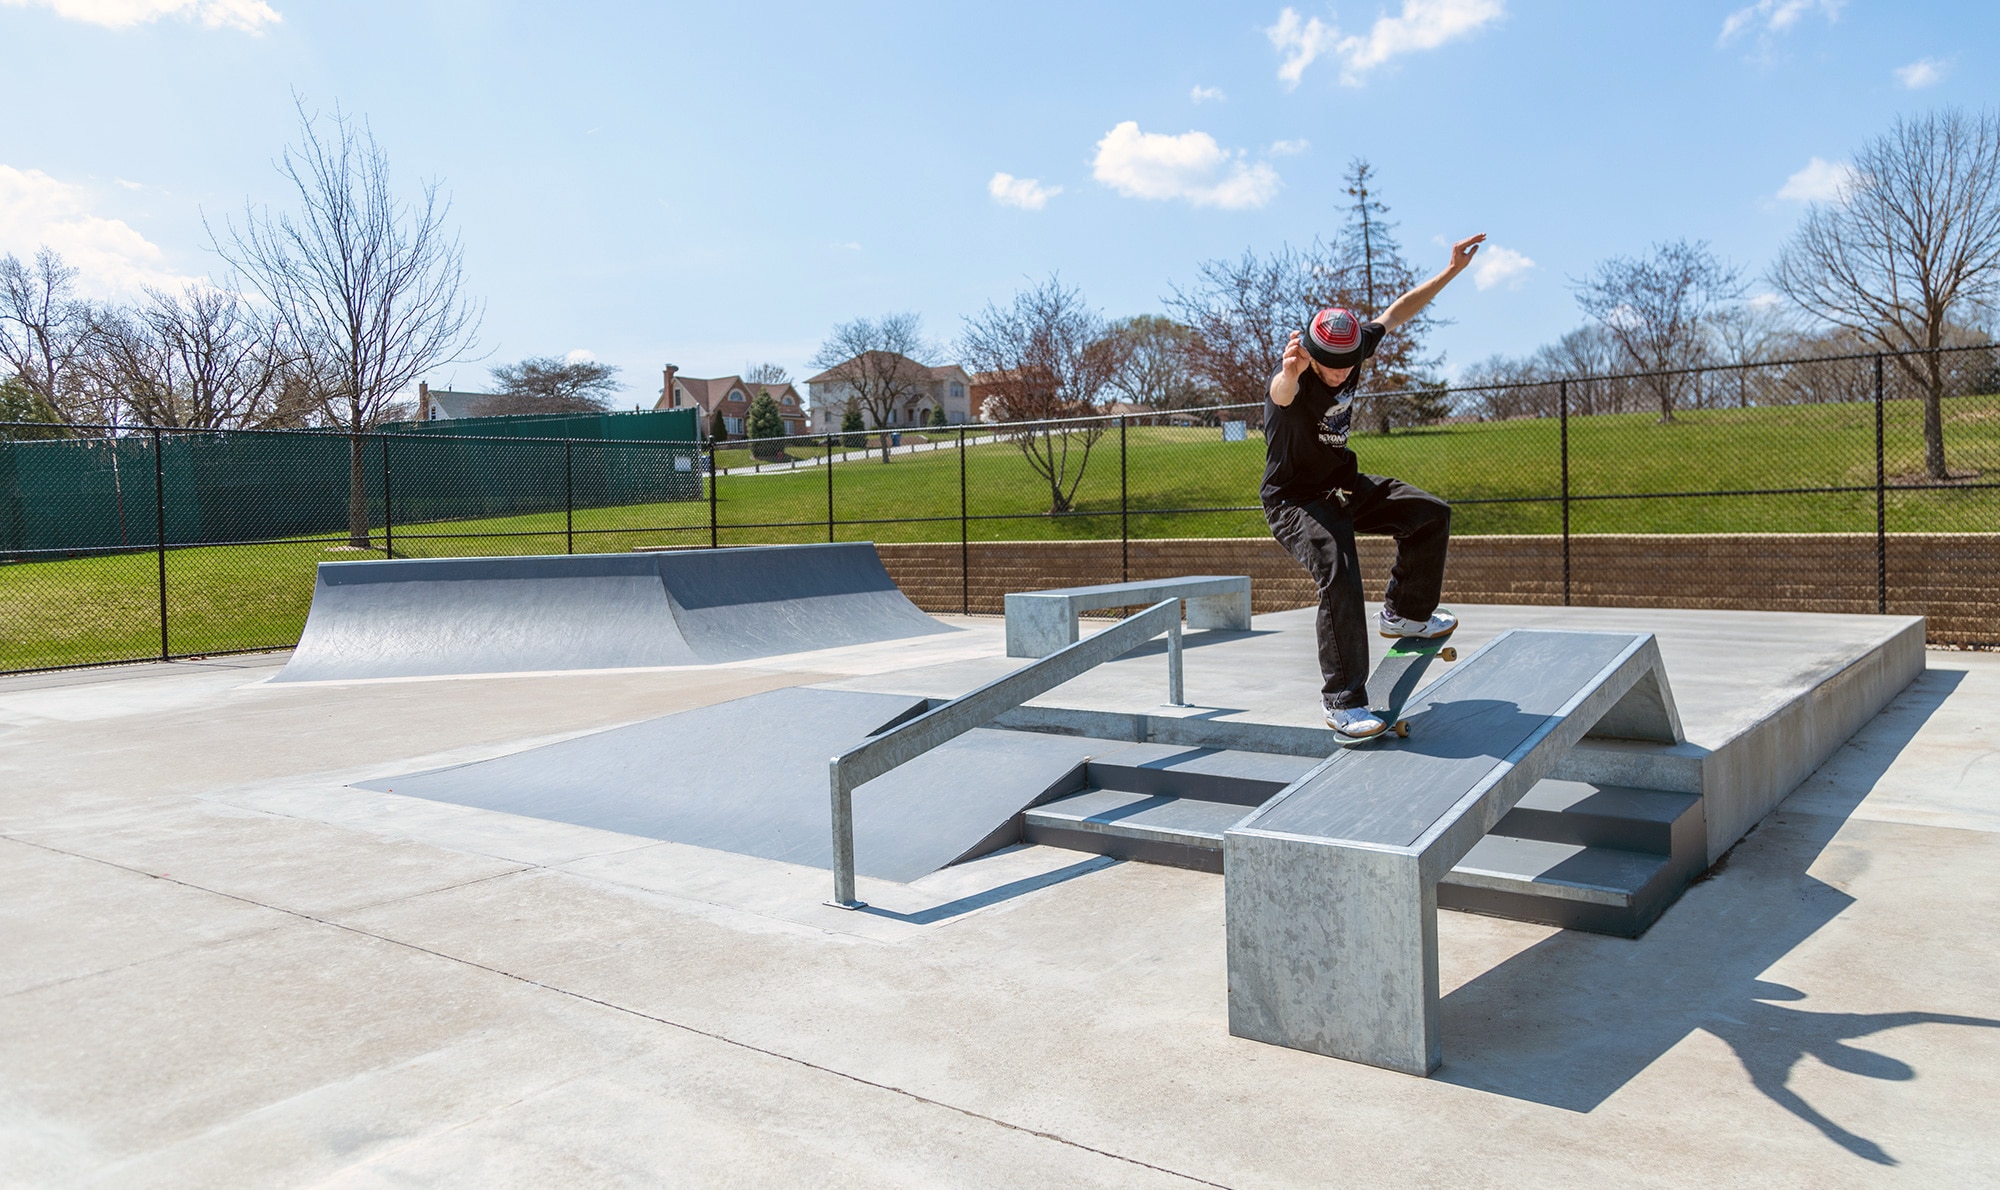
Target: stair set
(1577, 853)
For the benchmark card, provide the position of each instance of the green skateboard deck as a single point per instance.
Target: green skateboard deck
(1397, 677)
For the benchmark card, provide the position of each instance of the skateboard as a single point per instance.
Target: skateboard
(1396, 678)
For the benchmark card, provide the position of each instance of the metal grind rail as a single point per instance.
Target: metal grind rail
(905, 742)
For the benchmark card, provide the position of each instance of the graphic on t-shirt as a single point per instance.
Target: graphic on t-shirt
(1334, 426)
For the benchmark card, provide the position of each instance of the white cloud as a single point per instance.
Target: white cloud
(1191, 166)
(1207, 94)
(1496, 266)
(1026, 193)
(1924, 72)
(1289, 148)
(1770, 17)
(112, 259)
(1819, 181)
(582, 355)
(1422, 25)
(248, 15)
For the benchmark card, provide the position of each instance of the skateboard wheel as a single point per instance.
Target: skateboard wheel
(1402, 729)
(1448, 653)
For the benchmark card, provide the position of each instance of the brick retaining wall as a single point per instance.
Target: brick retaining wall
(1951, 578)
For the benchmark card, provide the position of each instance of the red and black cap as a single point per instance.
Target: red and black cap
(1334, 338)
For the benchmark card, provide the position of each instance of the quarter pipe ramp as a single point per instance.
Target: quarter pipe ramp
(421, 617)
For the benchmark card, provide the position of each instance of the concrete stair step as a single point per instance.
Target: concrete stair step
(1600, 889)
(1210, 774)
(1183, 832)
(1590, 814)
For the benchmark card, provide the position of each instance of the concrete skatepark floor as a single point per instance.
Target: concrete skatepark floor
(223, 964)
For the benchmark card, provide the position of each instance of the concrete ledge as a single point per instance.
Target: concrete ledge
(1042, 622)
(1745, 778)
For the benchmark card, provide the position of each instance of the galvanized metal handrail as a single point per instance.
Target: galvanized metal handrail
(905, 742)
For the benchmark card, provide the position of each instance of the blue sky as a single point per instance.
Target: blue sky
(713, 184)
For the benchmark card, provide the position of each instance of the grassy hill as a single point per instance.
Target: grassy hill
(1501, 477)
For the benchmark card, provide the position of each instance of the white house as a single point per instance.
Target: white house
(945, 387)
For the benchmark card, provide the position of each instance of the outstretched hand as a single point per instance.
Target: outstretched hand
(1463, 251)
(1296, 358)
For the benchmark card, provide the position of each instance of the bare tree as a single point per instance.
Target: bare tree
(546, 384)
(765, 373)
(44, 333)
(201, 358)
(368, 288)
(1745, 334)
(1911, 244)
(1049, 356)
(1155, 370)
(1657, 309)
(876, 360)
(1242, 311)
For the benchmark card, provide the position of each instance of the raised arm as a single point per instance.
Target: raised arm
(1406, 307)
(1285, 385)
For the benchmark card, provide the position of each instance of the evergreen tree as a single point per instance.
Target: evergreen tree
(717, 428)
(1377, 276)
(19, 403)
(937, 416)
(764, 425)
(852, 429)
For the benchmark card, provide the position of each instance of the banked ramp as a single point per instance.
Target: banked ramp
(421, 617)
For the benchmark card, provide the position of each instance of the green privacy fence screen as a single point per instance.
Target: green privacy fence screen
(99, 492)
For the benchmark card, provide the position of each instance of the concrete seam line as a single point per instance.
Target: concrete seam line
(633, 1012)
(208, 945)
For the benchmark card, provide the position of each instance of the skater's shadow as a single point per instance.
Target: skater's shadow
(1771, 1040)
(1572, 1019)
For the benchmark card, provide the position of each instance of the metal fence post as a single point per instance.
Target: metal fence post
(713, 540)
(388, 517)
(1124, 511)
(1881, 505)
(160, 533)
(1562, 389)
(964, 535)
(829, 487)
(569, 499)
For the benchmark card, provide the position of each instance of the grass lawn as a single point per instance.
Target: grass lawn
(233, 597)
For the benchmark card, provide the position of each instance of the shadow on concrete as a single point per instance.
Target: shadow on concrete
(1196, 638)
(1574, 1018)
(993, 896)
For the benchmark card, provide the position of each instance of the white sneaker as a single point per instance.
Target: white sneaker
(1356, 723)
(1441, 623)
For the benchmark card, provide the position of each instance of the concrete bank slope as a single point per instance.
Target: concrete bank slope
(220, 964)
(418, 617)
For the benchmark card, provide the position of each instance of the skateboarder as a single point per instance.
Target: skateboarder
(1316, 499)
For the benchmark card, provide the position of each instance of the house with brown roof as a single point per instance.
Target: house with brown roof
(925, 387)
(732, 395)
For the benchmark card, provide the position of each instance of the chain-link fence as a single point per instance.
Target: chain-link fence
(1856, 484)
(119, 544)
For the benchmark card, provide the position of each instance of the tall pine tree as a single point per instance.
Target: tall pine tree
(1376, 275)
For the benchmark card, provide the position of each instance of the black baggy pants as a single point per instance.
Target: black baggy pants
(1320, 534)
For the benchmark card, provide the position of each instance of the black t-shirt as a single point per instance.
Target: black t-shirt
(1305, 442)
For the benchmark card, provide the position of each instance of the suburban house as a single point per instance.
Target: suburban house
(441, 404)
(732, 395)
(945, 387)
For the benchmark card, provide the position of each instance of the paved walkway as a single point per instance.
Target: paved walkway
(219, 965)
